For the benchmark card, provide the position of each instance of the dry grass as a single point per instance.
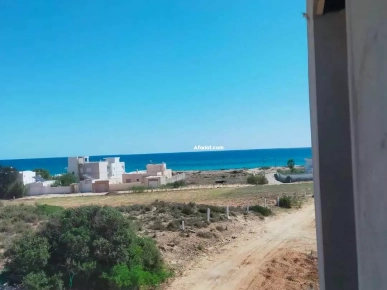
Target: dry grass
(216, 196)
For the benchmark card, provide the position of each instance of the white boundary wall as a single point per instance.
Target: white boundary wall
(39, 188)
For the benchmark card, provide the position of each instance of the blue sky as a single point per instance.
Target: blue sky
(121, 77)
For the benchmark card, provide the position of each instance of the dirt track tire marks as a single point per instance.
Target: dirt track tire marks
(237, 266)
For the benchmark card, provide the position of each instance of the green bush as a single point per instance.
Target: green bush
(64, 180)
(258, 179)
(261, 209)
(96, 243)
(138, 188)
(285, 202)
(40, 281)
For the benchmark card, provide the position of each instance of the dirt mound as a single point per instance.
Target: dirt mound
(290, 270)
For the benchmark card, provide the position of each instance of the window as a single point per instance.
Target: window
(128, 181)
(138, 179)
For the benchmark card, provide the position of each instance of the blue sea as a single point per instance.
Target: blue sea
(200, 160)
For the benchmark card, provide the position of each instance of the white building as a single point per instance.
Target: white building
(27, 176)
(110, 169)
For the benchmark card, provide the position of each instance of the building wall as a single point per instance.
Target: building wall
(153, 169)
(86, 186)
(72, 165)
(116, 169)
(367, 54)
(27, 177)
(97, 170)
(134, 177)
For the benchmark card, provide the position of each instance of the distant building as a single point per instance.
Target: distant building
(109, 169)
(154, 176)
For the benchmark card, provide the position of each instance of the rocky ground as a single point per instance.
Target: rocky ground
(234, 176)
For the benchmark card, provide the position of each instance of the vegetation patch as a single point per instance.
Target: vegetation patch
(258, 179)
(204, 235)
(261, 210)
(290, 201)
(96, 246)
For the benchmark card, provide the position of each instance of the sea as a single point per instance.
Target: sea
(199, 160)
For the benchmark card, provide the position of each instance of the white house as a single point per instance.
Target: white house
(110, 169)
(27, 176)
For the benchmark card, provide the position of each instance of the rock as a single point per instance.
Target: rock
(171, 244)
(234, 237)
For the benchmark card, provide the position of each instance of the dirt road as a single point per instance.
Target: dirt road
(238, 265)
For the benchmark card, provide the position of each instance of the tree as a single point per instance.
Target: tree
(44, 173)
(8, 176)
(291, 164)
(17, 189)
(95, 245)
(65, 180)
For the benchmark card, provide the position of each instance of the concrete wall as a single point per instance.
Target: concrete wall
(86, 186)
(367, 53)
(331, 143)
(39, 188)
(133, 177)
(97, 170)
(176, 177)
(153, 169)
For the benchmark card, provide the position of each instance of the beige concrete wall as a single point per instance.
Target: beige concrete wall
(133, 177)
(153, 169)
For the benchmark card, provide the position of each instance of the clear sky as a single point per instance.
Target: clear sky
(121, 77)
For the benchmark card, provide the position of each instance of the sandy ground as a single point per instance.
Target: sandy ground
(244, 264)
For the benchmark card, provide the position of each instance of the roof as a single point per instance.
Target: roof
(38, 178)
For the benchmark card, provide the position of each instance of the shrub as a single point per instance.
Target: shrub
(158, 226)
(92, 242)
(257, 179)
(291, 164)
(138, 188)
(262, 210)
(173, 225)
(221, 228)
(285, 202)
(188, 210)
(289, 202)
(265, 167)
(40, 281)
(205, 235)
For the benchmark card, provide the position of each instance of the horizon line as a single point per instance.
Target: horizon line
(155, 153)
